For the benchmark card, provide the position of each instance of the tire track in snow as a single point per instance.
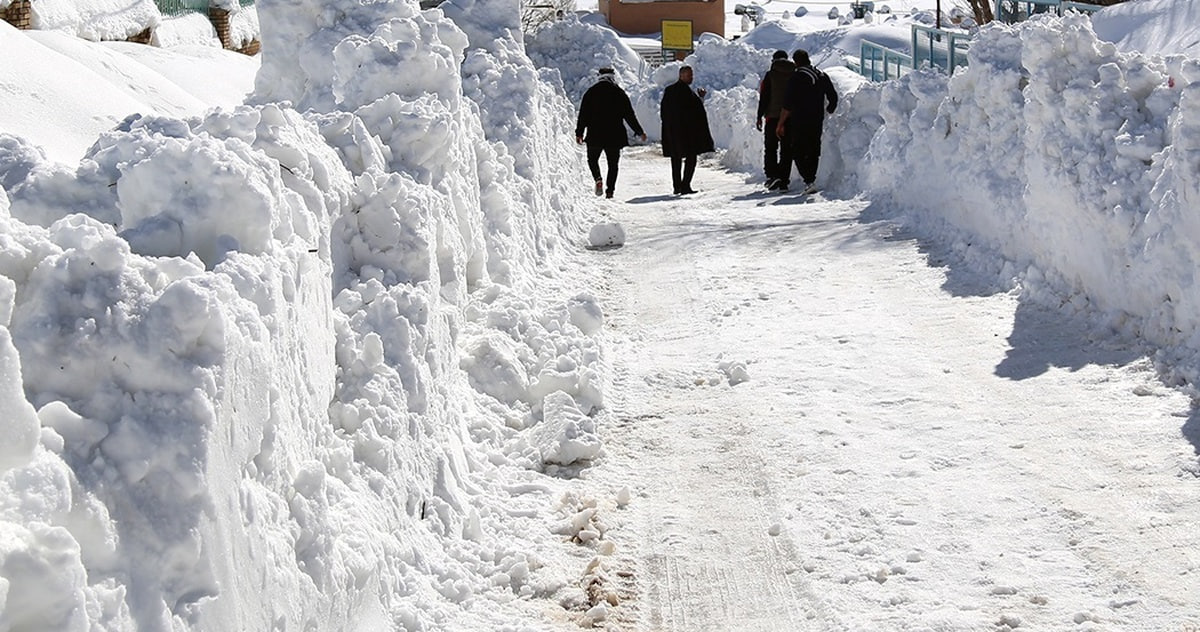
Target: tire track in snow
(703, 515)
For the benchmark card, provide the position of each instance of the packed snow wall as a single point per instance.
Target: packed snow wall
(271, 368)
(1076, 163)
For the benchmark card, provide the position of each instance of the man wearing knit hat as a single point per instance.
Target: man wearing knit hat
(603, 113)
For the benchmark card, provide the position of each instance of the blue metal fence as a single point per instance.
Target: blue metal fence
(879, 63)
(1012, 11)
(941, 49)
(947, 50)
(172, 8)
(938, 48)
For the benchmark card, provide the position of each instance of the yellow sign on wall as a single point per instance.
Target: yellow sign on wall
(677, 35)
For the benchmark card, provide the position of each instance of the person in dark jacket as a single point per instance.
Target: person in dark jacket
(603, 113)
(777, 156)
(685, 132)
(810, 95)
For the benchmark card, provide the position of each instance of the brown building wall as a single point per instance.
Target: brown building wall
(643, 18)
(19, 14)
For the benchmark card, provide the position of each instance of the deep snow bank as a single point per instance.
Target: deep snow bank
(1075, 162)
(267, 369)
(1155, 27)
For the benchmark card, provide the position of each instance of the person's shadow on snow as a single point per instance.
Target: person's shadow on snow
(1191, 432)
(1042, 338)
(650, 199)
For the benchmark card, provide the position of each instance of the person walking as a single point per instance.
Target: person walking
(603, 113)
(685, 132)
(810, 95)
(777, 156)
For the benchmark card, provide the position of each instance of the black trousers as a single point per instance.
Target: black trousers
(806, 148)
(682, 170)
(612, 156)
(777, 155)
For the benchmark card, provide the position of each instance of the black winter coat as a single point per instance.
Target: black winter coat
(810, 94)
(773, 88)
(603, 112)
(684, 122)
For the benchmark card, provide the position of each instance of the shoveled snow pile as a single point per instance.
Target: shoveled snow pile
(301, 364)
(1060, 162)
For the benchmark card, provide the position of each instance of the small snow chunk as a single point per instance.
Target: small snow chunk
(1011, 621)
(607, 235)
(596, 614)
(624, 496)
(775, 529)
(372, 355)
(19, 424)
(565, 435)
(1142, 390)
(585, 313)
(735, 371)
(8, 296)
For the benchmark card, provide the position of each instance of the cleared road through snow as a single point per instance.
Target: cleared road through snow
(829, 425)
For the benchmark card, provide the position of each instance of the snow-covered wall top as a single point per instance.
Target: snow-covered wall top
(96, 19)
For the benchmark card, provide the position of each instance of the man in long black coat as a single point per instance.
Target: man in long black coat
(685, 132)
(603, 113)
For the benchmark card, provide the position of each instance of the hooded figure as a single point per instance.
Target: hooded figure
(685, 132)
(777, 156)
(603, 113)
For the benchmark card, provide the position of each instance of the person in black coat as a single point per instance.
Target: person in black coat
(810, 94)
(603, 113)
(777, 156)
(685, 132)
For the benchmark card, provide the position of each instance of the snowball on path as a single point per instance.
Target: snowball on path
(607, 235)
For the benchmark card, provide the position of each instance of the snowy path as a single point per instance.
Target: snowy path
(912, 450)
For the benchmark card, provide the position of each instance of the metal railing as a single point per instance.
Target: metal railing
(946, 50)
(1012, 11)
(174, 8)
(942, 49)
(879, 63)
(1081, 7)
